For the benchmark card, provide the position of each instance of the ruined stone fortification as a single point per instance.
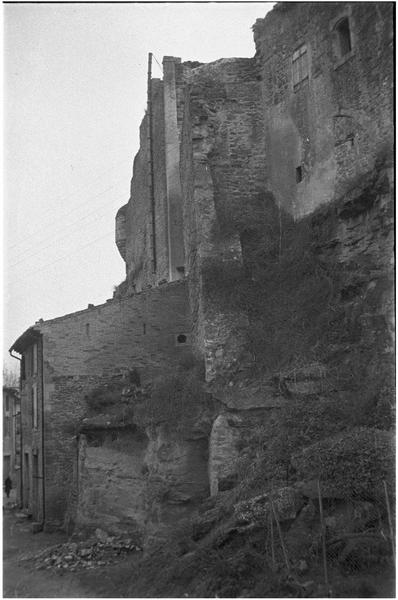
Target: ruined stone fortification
(258, 245)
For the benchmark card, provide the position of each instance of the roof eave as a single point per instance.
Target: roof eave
(31, 335)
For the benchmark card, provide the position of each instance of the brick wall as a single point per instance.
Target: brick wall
(336, 123)
(86, 349)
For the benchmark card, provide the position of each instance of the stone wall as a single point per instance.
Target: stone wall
(141, 270)
(159, 258)
(90, 348)
(223, 171)
(335, 123)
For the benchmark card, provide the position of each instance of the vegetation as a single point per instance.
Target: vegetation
(175, 400)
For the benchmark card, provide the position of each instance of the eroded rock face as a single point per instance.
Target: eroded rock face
(139, 482)
(111, 482)
(176, 479)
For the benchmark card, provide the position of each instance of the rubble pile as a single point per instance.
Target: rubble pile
(89, 554)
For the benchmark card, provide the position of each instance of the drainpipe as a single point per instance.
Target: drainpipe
(20, 435)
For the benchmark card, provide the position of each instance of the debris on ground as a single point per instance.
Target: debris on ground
(89, 554)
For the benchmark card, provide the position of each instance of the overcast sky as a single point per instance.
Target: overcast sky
(74, 96)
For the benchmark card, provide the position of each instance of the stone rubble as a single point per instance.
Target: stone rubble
(89, 554)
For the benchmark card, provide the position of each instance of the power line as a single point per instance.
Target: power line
(160, 66)
(63, 257)
(40, 249)
(64, 198)
(57, 227)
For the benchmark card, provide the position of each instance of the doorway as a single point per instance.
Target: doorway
(26, 481)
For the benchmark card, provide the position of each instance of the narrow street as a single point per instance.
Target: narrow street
(20, 578)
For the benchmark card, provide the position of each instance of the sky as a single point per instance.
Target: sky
(74, 94)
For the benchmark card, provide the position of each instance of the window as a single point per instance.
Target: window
(182, 339)
(7, 426)
(28, 363)
(7, 403)
(344, 36)
(34, 359)
(299, 174)
(34, 407)
(300, 65)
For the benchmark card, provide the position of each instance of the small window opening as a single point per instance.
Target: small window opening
(87, 329)
(344, 34)
(181, 338)
(34, 407)
(34, 359)
(144, 328)
(23, 370)
(299, 174)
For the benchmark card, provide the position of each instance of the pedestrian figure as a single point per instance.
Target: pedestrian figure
(8, 486)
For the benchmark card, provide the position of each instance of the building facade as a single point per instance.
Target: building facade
(64, 359)
(12, 438)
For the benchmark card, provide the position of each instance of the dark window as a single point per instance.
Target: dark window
(299, 174)
(344, 36)
(23, 369)
(34, 407)
(87, 329)
(300, 65)
(7, 403)
(34, 359)
(144, 328)
(182, 338)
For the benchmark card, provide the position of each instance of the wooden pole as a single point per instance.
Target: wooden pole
(151, 179)
(281, 538)
(325, 565)
(272, 542)
(389, 519)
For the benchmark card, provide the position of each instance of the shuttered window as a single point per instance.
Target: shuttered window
(300, 65)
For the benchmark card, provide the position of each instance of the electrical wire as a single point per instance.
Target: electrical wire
(64, 198)
(64, 257)
(40, 249)
(160, 66)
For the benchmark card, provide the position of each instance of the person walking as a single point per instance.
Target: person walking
(8, 486)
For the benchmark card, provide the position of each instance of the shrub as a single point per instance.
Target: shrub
(104, 397)
(266, 458)
(301, 303)
(355, 462)
(175, 400)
